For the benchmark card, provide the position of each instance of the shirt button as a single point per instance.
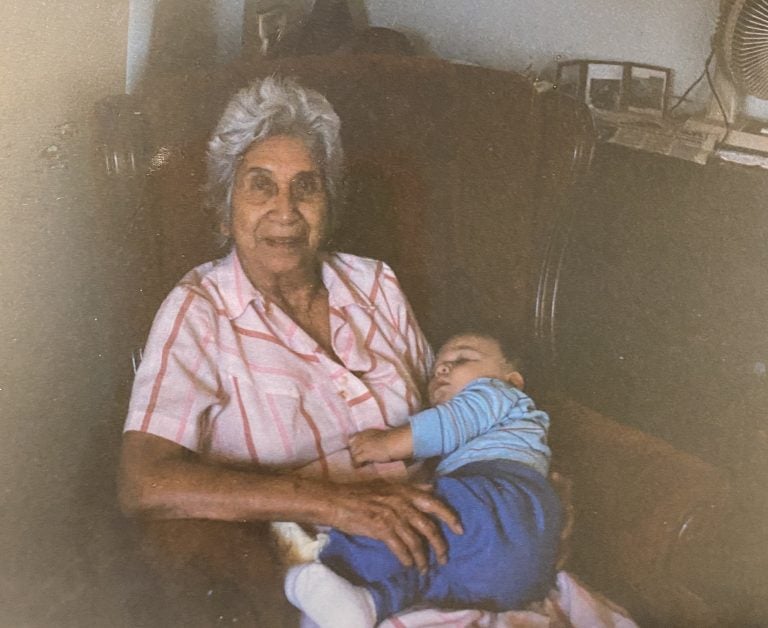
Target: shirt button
(343, 394)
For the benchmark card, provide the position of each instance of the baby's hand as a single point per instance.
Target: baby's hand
(381, 445)
(369, 446)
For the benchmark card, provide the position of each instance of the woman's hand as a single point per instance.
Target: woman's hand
(396, 514)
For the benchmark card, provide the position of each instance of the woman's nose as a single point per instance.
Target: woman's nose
(284, 207)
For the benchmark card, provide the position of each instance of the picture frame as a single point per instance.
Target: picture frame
(647, 89)
(604, 88)
(570, 78)
(616, 86)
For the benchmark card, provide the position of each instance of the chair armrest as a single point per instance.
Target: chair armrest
(647, 515)
(207, 573)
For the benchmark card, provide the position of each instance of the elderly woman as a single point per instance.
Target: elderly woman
(260, 365)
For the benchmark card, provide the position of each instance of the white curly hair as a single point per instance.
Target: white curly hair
(268, 107)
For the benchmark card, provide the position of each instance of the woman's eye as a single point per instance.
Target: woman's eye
(261, 186)
(305, 186)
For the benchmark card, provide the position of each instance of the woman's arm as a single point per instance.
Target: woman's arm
(161, 480)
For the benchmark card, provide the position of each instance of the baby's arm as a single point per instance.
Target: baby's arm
(381, 445)
(474, 411)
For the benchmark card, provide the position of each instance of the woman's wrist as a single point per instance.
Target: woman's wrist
(315, 501)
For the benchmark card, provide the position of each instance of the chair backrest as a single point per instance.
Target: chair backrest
(457, 176)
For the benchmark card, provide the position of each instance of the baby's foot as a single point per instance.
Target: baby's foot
(328, 599)
(296, 546)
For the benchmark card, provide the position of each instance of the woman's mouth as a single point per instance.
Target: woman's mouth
(284, 242)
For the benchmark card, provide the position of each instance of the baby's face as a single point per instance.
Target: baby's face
(465, 358)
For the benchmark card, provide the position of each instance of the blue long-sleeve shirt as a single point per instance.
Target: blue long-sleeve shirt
(487, 420)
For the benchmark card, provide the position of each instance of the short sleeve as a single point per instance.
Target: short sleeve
(177, 384)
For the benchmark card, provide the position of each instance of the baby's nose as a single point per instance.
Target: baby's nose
(442, 369)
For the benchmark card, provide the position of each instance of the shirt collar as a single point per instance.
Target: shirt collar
(237, 291)
(338, 272)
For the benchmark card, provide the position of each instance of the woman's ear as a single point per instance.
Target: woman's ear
(225, 230)
(516, 379)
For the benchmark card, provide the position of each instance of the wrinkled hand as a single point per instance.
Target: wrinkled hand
(396, 514)
(369, 446)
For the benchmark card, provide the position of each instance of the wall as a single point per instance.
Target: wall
(502, 34)
(536, 33)
(227, 17)
(65, 275)
(514, 35)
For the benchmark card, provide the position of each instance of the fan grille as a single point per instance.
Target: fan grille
(744, 39)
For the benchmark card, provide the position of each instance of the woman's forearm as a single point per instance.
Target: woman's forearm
(157, 481)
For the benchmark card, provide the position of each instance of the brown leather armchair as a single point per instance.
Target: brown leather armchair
(460, 178)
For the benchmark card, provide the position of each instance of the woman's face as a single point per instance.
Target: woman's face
(279, 208)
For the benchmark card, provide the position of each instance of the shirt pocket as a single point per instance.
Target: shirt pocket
(280, 426)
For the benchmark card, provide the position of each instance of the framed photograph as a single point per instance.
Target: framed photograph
(605, 86)
(616, 85)
(647, 89)
(570, 78)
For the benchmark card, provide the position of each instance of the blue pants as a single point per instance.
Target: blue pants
(505, 559)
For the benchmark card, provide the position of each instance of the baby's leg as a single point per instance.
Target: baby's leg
(504, 559)
(328, 599)
(506, 556)
(360, 559)
(369, 563)
(332, 601)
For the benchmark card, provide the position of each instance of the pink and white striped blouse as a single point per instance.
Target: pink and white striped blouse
(229, 375)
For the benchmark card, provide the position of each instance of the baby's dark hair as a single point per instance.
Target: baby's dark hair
(509, 342)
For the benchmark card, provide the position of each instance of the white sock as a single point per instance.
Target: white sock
(296, 546)
(328, 599)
